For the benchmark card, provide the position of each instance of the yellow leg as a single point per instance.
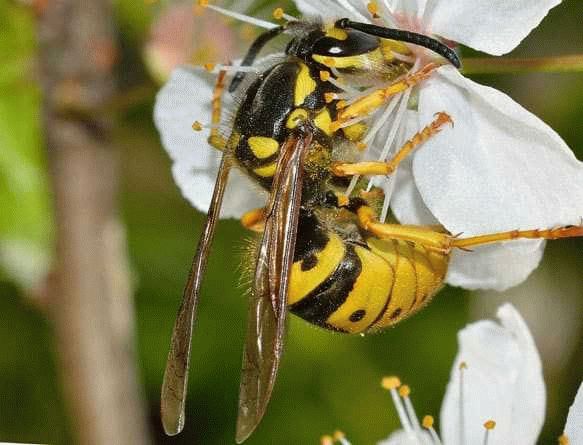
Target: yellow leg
(429, 237)
(254, 220)
(551, 234)
(369, 103)
(215, 139)
(387, 168)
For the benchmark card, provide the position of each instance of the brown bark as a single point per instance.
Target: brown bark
(92, 304)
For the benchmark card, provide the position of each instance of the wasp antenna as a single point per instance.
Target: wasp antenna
(403, 36)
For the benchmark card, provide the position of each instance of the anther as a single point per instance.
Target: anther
(278, 13)
(563, 439)
(373, 8)
(341, 104)
(428, 422)
(324, 75)
(390, 382)
(329, 61)
(404, 391)
(326, 440)
(197, 126)
(209, 66)
(340, 437)
(361, 146)
(203, 3)
(490, 425)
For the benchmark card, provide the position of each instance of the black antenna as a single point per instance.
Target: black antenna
(254, 50)
(403, 36)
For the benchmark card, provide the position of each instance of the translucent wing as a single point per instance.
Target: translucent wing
(176, 375)
(267, 306)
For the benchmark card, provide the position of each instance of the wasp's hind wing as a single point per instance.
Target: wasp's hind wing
(175, 382)
(267, 307)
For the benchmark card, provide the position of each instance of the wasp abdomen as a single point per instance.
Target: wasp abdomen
(342, 285)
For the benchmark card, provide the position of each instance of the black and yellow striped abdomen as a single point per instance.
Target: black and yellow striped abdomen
(353, 287)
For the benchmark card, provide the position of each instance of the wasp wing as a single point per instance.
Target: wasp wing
(175, 381)
(267, 307)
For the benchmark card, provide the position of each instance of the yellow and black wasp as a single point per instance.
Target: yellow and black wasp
(323, 255)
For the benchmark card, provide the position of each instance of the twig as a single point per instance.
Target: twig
(92, 305)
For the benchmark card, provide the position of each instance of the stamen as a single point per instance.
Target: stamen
(489, 426)
(324, 75)
(216, 68)
(563, 439)
(238, 16)
(404, 392)
(326, 440)
(391, 384)
(428, 425)
(340, 437)
(395, 135)
(279, 13)
(373, 8)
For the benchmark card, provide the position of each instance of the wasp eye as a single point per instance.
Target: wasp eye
(354, 43)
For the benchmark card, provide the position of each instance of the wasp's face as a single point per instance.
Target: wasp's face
(333, 43)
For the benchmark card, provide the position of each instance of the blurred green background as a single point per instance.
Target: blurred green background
(327, 381)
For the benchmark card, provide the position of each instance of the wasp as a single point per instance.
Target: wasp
(324, 255)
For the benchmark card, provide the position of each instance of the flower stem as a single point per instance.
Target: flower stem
(499, 65)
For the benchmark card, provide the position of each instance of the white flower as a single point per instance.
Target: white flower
(496, 392)
(500, 168)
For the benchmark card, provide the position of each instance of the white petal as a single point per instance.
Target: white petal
(406, 203)
(492, 26)
(412, 8)
(329, 8)
(185, 98)
(500, 168)
(574, 425)
(493, 266)
(503, 382)
(400, 437)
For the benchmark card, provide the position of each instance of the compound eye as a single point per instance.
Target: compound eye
(353, 43)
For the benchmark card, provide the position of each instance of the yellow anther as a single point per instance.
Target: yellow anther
(329, 61)
(326, 440)
(209, 66)
(341, 104)
(428, 422)
(278, 13)
(329, 97)
(361, 146)
(343, 200)
(563, 439)
(324, 75)
(339, 435)
(490, 425)
(203, 3)
(404, 391)
(390, 382)
(373, 8)
(463, 365)
(197, 126)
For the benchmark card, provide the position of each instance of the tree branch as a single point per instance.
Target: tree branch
(92, 306)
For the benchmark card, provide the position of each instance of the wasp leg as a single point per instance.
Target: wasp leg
(433, 238)
(254, 220)
(215, 139)
(369, 103)
(389, 167)
(550, 234)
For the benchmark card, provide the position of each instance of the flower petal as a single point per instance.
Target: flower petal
(492, 26)
(574, 425)
(412, 8)
(401, 437)
(503, 382)
(500, 168)
(494, 266)
(185, 98)
(331, 9)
